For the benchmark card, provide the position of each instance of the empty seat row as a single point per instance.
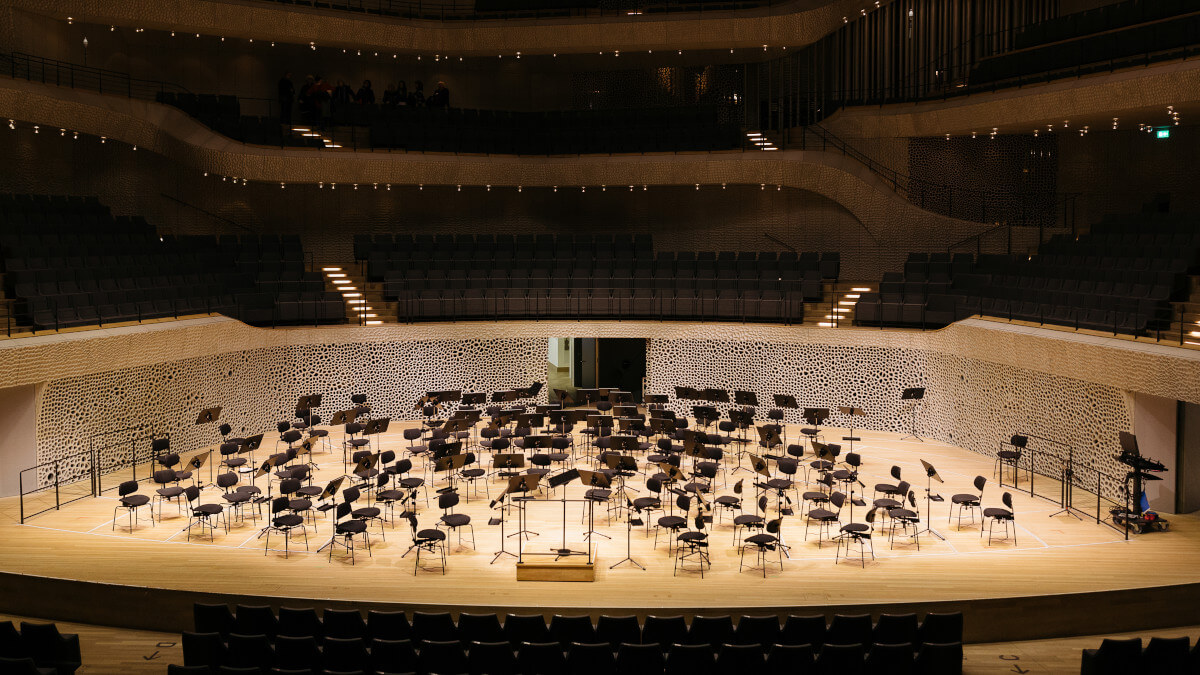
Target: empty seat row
(567, 629)
(38, 648)
(209, 653)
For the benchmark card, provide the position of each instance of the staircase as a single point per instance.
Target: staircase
(364, 300)
(836, 309)
(1187, 315)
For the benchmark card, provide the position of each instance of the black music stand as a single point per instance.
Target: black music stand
(851, 412)
(915, 395)
(655, 401)
(744, 398)
(931, 475)
(629, 523)
(594, 480)
(474, 398)
(252, 443)
(450, 464)
(306, 403)
(342, 417)
(785, 401)
(519, 484)
(195, 462)
(208, 415)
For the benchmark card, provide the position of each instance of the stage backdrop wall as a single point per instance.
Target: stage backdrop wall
(985, 380)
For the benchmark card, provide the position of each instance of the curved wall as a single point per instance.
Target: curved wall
(792, 24)
(884, 226)
(985, 380)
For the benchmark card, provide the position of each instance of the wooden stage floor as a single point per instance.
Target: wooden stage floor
(1064, 577)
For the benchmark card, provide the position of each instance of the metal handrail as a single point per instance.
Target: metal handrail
(464, 10)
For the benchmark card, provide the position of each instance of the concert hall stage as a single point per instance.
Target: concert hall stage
(1063, 576)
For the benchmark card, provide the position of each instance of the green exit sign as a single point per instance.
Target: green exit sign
(1163, 133)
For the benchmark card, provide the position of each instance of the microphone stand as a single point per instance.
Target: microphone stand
(502, 550)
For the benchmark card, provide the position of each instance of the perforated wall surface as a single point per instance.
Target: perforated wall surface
(969, 402)
(986, 381)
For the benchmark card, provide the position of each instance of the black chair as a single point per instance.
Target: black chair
(713, 631)
(739, 658)
(491, 658)
(441, 656)
(895, 629)
(454, 521)
(690, 660)
(255, 620)
(299, 622)
(842, 660)
(202, 649)
(787, 659)
(249, 651)
(344, 624)
(1005, 515)
(757, 630)
(284, 521)
(635, 659)
(891, 658)
(433, 627)
(344, 654)
(204, 516)
(595, 658)
(520, 628)
(941, 627)
(479, 628)
(826, 518)
(296, 653)
(665, 630)
(618, 630)
(170, 491)
(849, 629)
(574, 628)
(946, 659)
(763, 543)
(541, 658)
(212, 618)
(803, 630)
(1010, 457)
(967, 501)
(51, 649)
(431, 541)
(129, 500)
(393, 656)
(390, 626)
(348, 529)
(1113, 656)
(1166, 655)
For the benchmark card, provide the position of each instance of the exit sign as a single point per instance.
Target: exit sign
(1163, 133)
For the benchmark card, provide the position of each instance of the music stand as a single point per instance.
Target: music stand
(377, 426)
(450, 464)
(916, 395)
(851, 412)
(629, 523)
(208, 415)
(342, 417)
(931, 475)
(252, 443)
(516, 484)
(306, 403)
(785, 401)
(745, 398)
(195, 462)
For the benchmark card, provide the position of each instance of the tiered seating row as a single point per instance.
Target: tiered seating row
(603, 276)
(68, 262)
(1119, 278)
(299, 640)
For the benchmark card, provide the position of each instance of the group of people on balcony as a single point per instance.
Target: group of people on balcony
(317, 97)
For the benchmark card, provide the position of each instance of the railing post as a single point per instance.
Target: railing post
(21, 493)
(57, 501)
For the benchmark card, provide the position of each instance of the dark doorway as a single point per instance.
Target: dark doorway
(621, 362)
